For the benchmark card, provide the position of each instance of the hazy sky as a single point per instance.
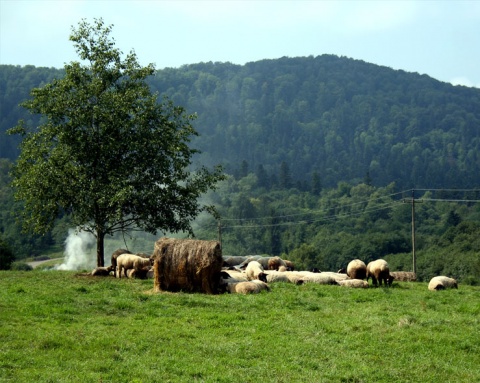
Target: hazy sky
(437, 38)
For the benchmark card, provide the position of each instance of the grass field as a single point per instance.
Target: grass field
(60, 326)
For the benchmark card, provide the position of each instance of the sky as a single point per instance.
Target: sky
(437, 38)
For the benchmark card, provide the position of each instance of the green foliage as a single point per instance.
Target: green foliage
(21, 266)
(80, 328)
(107, 153)
(342, 135)
(6, 255)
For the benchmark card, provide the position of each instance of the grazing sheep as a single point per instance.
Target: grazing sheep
(254, 271)
(356, 283)
(404, 276)
(102, 271)
(357, 269)
(441, 283)
(251, 287)
(379, 271)
(131, 261)
(115, 255)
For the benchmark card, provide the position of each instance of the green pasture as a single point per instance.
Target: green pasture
(63, 326)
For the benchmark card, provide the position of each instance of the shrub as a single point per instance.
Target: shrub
(6, 255)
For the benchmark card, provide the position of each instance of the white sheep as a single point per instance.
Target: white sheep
(319, 278)
(114, 257)
(336, 276)
(255, 270)
(250, 287)
(131, 261)
(357, 269)
(284, 276)
(356, 283)
(441, 283)
(379, 271)
(235, 276)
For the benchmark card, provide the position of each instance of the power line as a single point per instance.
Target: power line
(339, 215)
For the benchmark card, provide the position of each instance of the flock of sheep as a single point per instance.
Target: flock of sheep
(253, 274)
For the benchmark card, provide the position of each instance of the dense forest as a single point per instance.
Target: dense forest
(324, 154)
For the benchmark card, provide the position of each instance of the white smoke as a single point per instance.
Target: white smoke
(79, 248)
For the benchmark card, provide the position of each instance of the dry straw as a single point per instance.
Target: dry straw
(187, 265)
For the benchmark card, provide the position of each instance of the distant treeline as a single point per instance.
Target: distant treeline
(325, 117)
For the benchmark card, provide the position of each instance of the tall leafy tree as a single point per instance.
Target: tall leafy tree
(108, 153)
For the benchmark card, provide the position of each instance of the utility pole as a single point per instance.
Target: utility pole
(412, 201)
(413, 233)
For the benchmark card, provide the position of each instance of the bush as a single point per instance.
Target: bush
(6, 255)
(21, 266)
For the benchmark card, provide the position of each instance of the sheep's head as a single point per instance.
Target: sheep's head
(262, 277)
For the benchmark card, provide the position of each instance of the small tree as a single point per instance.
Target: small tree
(107, 153)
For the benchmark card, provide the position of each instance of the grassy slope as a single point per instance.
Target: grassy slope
(59, 326)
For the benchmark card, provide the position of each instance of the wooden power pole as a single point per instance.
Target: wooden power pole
(412, 202)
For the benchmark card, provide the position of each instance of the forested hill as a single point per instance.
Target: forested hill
(327, 116)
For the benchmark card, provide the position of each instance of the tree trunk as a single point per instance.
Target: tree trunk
(100, 248)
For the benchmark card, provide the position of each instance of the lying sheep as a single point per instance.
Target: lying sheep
(289, 265)
(139, 274)
(379, 271)
(287, 277)
(356, 269)
(115, 255)
(102, 271)
(249, 259)
(356, 283)
(441, 283)
(131, 261)
(255, 271)
(234, 276)
(319, 278)
(250, 287)
(336, 276)
(233, 260)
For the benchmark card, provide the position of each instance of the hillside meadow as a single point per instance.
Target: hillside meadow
(63, 326)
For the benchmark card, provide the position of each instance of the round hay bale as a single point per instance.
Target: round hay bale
(187, 265)
(404, 276)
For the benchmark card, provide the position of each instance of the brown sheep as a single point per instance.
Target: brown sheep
(102, 271)
(379, 272)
